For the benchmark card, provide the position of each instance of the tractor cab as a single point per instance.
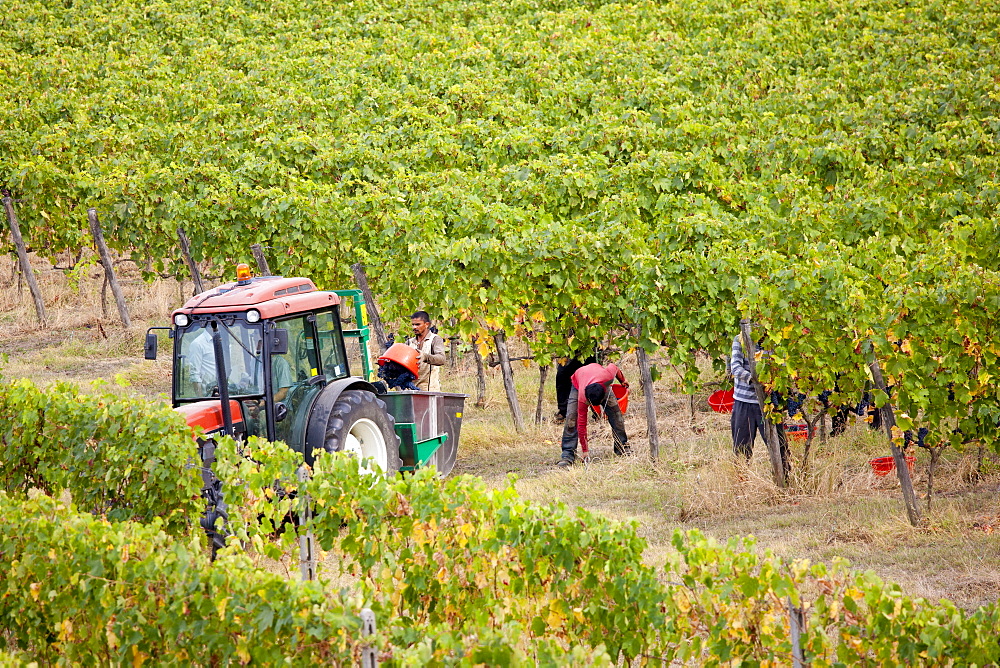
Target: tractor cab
(274, 343)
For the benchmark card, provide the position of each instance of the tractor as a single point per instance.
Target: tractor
(267, 356)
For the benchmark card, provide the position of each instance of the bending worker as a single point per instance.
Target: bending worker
(592, 387)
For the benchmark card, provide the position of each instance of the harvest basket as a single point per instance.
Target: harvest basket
(621, 394)
(885, 465)
(799, 432)
(721, 401)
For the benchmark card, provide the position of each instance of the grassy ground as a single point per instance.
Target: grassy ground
(836, 508)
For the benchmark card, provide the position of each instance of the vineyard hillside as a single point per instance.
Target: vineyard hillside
(549, 179)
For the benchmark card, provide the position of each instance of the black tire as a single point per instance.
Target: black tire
(364, 416)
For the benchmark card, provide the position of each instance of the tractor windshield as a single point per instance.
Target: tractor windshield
(195, 368)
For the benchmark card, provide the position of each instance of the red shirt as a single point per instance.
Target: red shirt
(584, 376)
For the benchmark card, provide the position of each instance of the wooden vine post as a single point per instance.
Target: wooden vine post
(902, 470)
(646, 380)
(374, 319)
(22, 257)
(258, 255)
(109, 267)
(500, 338)
(307, 543)
(771, 437)
(543, 373)
(480, 374)
(186, 250)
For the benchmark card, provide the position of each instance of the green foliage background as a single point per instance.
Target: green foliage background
(566, 171)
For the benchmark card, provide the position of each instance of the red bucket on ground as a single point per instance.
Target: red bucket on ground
(721, 401)
(621, 394)
(886, 465)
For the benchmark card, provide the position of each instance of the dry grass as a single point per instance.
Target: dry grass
(836, 508)
(81, 343)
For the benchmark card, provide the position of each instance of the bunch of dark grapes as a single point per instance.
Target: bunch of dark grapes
(862, 407)
(795, 404)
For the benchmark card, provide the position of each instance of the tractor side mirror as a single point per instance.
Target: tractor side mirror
(150, 348)
(279, 345)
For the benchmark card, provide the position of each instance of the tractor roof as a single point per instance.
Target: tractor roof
(273, 296)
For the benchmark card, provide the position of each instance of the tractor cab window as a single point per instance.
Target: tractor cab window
(195, 368)
(331, 345)
(290, 376)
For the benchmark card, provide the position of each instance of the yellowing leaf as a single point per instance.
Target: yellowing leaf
(66, 630)
(241, 651)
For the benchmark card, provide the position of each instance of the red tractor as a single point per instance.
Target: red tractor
(279, 347)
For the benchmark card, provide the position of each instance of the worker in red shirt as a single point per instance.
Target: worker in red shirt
(592, 387)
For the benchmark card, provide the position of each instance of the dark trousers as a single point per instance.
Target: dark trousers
(570, 437)
(746, 423)
(564, 380)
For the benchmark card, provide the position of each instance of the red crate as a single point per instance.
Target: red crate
(886, 465)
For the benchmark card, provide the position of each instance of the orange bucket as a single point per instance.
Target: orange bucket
(721, 401)
(621, 394)
(403, 355)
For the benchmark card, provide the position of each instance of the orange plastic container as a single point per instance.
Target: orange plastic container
(886, 465)
(621, 394)
(403, 355)
(721, 401)
(799, 432)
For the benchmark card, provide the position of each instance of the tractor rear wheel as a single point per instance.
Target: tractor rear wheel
(361, 425)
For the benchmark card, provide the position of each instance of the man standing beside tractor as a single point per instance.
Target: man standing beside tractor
(592, 387)
(431, 349)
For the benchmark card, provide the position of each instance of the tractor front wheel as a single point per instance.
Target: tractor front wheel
(361, 425)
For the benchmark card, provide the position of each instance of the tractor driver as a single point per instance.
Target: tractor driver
(281, 377)
(281, 381)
